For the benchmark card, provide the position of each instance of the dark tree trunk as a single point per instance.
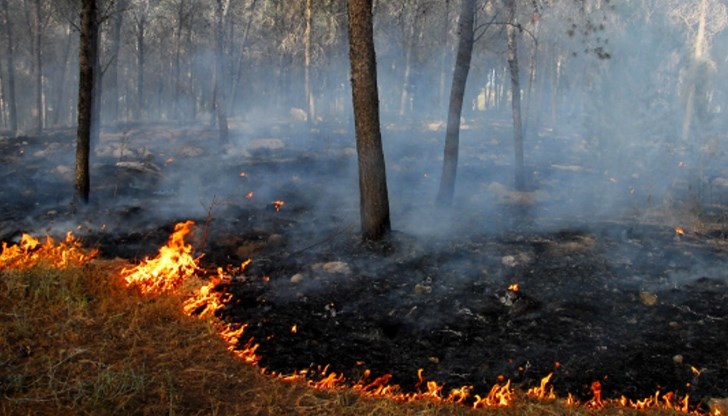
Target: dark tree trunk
(374, 200)
(219, 90)
(88, 48)
(512, 31)
(11, 103)
(457, 93)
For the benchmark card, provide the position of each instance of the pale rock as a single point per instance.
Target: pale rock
(648, 299)
(332, 267)
(297, 278)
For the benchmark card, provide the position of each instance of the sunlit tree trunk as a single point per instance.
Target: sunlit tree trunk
(141, 23)
(445, 53)
(307, 66)
(511, 31)
(532, 67)
(11, 103)
(457, 94)
(374, 200)
(88, 48)
(411, 43)
(239, 65)
(699, 51)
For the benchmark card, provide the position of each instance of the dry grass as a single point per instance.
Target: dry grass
(77, 342)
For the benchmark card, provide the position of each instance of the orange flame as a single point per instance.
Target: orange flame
(542, 392)
(249, 195)
(514, 287)
(679, 231)
(29, 252)
(278, 205)
(172, 266)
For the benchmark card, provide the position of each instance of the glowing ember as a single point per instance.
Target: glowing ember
(249, 195)
(30, 252)
(514, 287)
(278, 205)
(294, 329)
(243, 174)
(679, 231)
(169, 269)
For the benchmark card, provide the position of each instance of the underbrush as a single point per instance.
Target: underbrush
(77, 341)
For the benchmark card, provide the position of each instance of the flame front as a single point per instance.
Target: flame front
(30, 252)
(172, 266)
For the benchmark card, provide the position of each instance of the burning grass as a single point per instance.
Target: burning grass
(76, 340)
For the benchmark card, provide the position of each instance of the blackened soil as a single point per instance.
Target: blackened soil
(634, 307)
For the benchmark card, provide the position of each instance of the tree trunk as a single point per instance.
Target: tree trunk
(239, 65)
(141, 28)
(307, 66)
(88, 48)
(444, 57)
(512, 31)
(374, 200)
(699, 51)
(411, 41)
(61, 94)
(219, 91)
(11, 103)
(457, 94)
(532, 66)
(112, 76)
(38, 73)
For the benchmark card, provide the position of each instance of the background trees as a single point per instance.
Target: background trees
(649, 64)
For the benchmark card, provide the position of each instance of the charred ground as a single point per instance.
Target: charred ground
(607, 290)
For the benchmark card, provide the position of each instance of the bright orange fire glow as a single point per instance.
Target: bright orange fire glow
(514, 287)
(679, 231)
(30, 252)
(278, 205)
(249, 195)
(544, 391)
(172, 266)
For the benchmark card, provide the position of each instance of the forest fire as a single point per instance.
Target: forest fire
(175, 263)
(30, 252)
(169, 269)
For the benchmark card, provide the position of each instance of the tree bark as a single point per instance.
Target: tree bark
(699, 51)
(141, 29)
(374, 200)
(513, 27)
(311, 113)
(88, 48)
(457, 94)
(11, 103)
(219, 93)
(61, 94)
(38, 64)
(112, 76)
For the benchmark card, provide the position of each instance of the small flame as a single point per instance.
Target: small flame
(278, 205)
(172, 266)
(249, 195)
(243, 174)
(679, 231)
(695, 370)
(29, 252)
(542, 392)
(294, 329)
(245, 264)
(514, 287)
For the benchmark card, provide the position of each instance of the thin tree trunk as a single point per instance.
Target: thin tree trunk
(38, 73)
(699, 50)
(88, 48)
(239, 65)
(374, 200)
(532, 66)
(311, 112)
(511, 30)
(444, 59)
(457, 94)
(11, 103)
(407, 74)
(112, 76)
(219, 91)
(62, 79)
(141, 28)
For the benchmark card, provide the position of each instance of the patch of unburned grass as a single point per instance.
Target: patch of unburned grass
(77, 341)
